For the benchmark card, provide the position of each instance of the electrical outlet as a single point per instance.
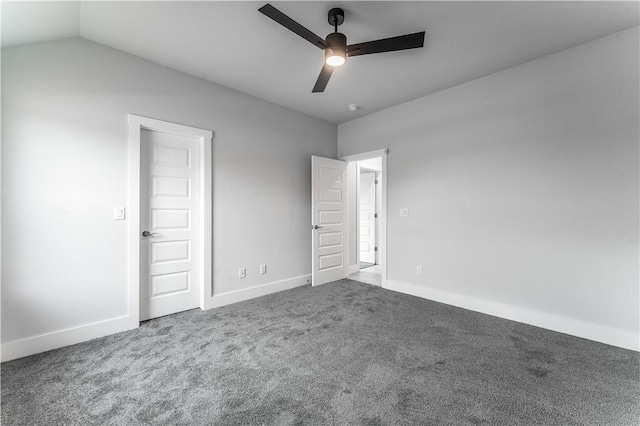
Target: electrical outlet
(263, 269)
(418, 270)
(404, 212)
(242, 273)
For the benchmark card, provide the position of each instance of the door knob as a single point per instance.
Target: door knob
(316, 227)
(146, 233)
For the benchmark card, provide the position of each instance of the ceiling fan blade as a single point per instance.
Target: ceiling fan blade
(408, 41)
(323, 79)
(292, 25)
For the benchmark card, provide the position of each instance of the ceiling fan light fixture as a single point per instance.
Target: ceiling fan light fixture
(335, 56)
(335, 45)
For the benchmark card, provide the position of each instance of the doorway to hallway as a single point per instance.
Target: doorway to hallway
(366, 174)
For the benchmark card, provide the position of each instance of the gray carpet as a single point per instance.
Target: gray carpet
(344, 353)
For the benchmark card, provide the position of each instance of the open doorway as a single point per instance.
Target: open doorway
(366, 192)
(368, 204)
(368, 217)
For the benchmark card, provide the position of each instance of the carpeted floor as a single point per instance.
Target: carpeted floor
(345, 353)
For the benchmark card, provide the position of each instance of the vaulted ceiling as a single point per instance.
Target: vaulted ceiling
(232, 44)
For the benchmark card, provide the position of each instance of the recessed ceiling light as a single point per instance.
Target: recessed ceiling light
(353, 107)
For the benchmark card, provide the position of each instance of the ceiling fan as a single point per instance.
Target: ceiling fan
(335, 46)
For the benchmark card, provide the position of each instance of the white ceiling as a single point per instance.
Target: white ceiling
(232, 44)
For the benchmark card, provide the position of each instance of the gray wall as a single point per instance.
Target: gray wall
(522, 186)
(64, 169)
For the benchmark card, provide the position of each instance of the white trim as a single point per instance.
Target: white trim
(58, 339)
(133, 243)
(587, 330)
(137, 123)
(206, 221)
(365, 155)
(257, 291)
(350, 189)
(382, 153)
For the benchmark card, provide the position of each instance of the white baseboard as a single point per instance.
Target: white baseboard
(599, 333)
(58, 339)
(587, 330)
(353, 269)
(223, 299)
(61, 338)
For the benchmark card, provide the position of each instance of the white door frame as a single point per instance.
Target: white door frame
(382, 153)
(136, 125)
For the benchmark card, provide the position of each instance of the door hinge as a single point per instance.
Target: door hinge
(375, 215)
(375, 181)
(375, 249)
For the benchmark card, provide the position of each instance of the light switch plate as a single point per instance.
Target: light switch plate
(404, 212)
(118, 213)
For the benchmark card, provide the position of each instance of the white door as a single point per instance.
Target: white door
(169, 220)
(328, 185)
(367, 197)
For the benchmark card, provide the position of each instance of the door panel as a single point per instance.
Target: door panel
(367, 205)
(170, 182)
(171, 156)
(328, 215)
(172, 283)
(169, 251)
(329, 239)
(170, 186)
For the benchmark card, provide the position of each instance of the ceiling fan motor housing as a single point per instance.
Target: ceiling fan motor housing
(337, 40)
